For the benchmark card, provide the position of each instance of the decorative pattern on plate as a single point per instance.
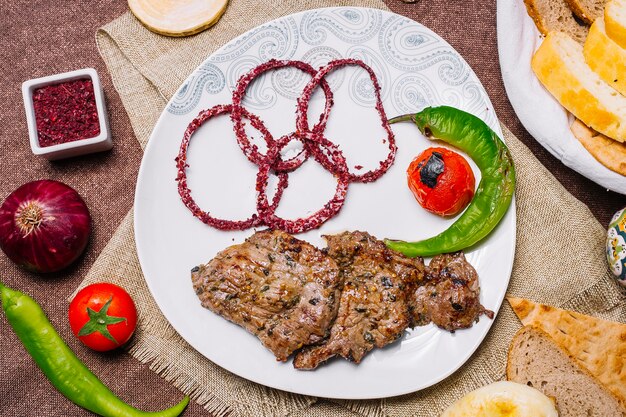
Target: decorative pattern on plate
(277, 39)
(408, 58)
(258, 94)
(352, 25)
(188, 96)
(411, 48)
(473, 97)
(413, 92)
(289, 82)
(361, 88)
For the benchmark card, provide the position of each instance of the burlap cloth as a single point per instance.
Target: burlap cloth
(559, 249)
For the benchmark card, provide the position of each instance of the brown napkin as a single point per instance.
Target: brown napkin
(559, 256)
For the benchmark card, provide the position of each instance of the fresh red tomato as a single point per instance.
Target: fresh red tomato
(442, 181)
(103, 316)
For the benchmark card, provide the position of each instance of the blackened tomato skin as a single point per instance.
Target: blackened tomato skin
(454, 187)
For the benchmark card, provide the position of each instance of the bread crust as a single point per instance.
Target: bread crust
(615, 29)
(581, 12)
(605, 57)
(571, 88)
(597, 345)
(533, 328)
(533, 12)
(569, 24)
(609, 152)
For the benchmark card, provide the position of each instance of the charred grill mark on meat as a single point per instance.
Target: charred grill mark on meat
(374, 309)
(277, 287)
(450, 297)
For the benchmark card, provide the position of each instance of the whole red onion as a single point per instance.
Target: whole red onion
(44, 226)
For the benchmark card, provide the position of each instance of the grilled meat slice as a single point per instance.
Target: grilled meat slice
(450, 296)
(279, 288)
(374, 304)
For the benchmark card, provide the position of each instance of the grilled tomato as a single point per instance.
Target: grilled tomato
(442, 181)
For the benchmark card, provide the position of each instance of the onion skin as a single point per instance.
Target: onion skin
(44, 226)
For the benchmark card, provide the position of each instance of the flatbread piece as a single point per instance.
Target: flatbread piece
(609, 152)
(599, 346)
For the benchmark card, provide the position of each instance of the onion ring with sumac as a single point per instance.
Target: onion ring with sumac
(181, 164)
(250, 150)
(330, 209)
(302, 120)
(314, 142)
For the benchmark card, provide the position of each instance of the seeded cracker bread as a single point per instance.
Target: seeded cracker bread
(535, 360)
(560, 66)
(607, 151)
(615, 21)
(605, 57)
(587, 10)
(555, 15)
(599, 346)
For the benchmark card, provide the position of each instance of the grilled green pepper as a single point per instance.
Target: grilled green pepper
(64, 370)
(495, 190)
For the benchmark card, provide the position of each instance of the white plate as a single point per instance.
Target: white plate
(540, 113)
(415, 68)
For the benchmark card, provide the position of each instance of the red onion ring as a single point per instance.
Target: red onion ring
(314, 142)
(330, 209)
(181, 164)
(251, 150)
(302, 122)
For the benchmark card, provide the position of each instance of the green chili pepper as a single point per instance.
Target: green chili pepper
(57, 361)
(495, 190)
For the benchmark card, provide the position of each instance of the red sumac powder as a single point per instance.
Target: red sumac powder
(65, 112)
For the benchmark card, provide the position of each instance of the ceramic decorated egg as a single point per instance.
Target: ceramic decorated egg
(616, 246)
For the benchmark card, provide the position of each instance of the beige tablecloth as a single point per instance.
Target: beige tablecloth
(559, 253)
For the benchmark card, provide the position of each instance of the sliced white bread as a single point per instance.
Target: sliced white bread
(606, 57)
(560, 65)
(587, 10)
(615, 20)
(536, 360)
(555, 15)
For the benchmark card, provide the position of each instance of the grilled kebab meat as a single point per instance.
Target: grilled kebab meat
(345, 300)
(279, 288)
(450, 296)
(374, 309)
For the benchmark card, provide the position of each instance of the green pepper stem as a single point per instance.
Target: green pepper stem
(403, 118)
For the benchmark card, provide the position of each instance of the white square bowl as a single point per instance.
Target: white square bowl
(99, 143)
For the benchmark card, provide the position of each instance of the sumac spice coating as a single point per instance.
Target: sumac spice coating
(250, 150)
(318, 154)
(325, 152)
(315, 220)
(181, 178)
